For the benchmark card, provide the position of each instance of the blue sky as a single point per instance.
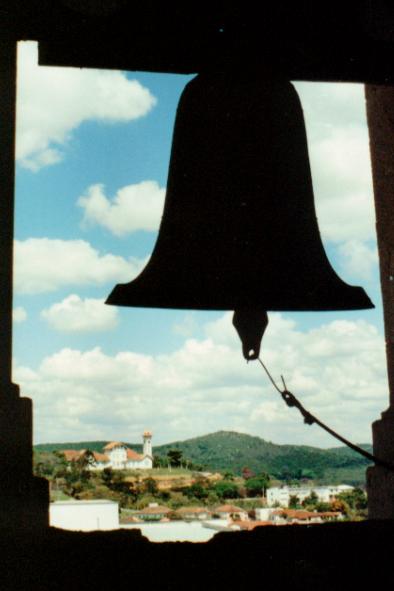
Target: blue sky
(92, 161)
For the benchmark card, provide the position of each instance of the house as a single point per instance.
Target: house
(283, 516)
(117, 456)
(193, 513)
(231, 512)
(153, 512)
(280, 495)
(84, 515)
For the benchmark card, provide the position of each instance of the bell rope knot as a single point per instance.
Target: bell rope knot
(250, 326)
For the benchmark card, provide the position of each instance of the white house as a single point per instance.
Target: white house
(118, 456)
(280, 495)
(84, 515)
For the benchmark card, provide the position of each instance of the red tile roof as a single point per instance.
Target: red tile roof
(229, 509)
(154, 510)
(132, 455)
(100, 457)
(72, 454)
(113, 444)
(195, 510)
(299, 514)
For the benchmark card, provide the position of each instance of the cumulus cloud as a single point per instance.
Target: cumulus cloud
(337, 371)
(340, 159)
(44, 265)
(358, 258)
(134, 207)
(19, 314)
(75, 314)
(52, 102)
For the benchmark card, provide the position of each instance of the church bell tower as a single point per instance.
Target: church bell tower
(147, 444)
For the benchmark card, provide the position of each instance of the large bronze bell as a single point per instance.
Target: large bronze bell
(239, 228)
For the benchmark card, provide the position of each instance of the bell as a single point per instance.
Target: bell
(239, 228)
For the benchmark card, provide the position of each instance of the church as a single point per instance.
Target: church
(118, 456)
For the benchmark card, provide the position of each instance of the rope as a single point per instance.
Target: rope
(310, 419)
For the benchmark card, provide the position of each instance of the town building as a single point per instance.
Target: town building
(153, 512)
(193, 513)
(231, 512)
(280, 495)
(84, 515)
(117, 455)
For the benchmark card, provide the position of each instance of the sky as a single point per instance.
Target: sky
(93, 148)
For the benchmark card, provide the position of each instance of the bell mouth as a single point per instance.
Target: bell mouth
(140, 294)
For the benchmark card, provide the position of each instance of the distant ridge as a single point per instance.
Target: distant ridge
(229, 450)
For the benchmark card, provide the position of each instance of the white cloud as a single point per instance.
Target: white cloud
(19, 314)
(134, 207)
(44, 265)
(358, 258)
(52, 102)
(330, 104)
(340, 159)
(187, 326)
(74, 314)
(337, 371)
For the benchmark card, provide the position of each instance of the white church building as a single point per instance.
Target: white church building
(118, 456)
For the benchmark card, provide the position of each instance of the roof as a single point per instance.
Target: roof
(154, 510)
(72, 454)
(147, 434)
(329, 514)
(114, 444)
(299, 514)
(132, 455)
(195, 510)
(100, 457)
(229, 509)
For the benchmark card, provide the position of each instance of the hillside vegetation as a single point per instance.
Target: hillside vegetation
(226, 450)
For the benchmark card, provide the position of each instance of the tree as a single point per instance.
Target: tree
(357, 502)
(294, 502)
(107, 475)
(150, 486)
(256, 486)
(197, 491)
(159, 462)
(310, 502)
(174, 457)
(247, 473)
(226, 490)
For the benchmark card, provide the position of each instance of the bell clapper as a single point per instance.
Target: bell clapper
(250, 325)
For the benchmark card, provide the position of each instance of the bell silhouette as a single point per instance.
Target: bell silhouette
(239, 227)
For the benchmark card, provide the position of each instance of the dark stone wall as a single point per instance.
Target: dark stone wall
(318, 557)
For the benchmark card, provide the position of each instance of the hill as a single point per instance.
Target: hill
(227, 450)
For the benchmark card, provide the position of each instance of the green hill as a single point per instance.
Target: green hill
(229, 450)
(226, 450)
